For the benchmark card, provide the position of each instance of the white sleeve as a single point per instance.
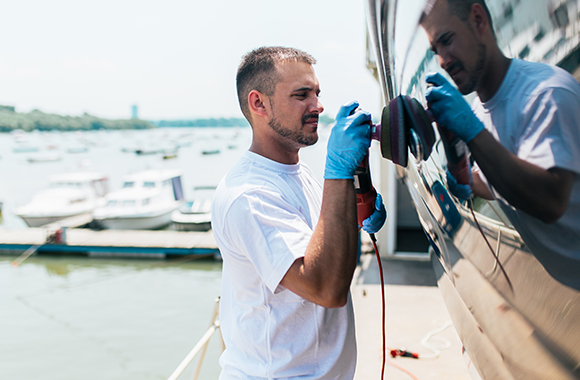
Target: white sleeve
(552, 134)
(269, 232)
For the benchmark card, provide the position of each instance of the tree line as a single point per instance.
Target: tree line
(218, 122)
(37, 120)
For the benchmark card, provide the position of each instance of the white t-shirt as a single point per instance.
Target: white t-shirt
(263, 217)
(535, 114)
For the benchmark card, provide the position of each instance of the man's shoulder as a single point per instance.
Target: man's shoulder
(245, 179)
(541, 76)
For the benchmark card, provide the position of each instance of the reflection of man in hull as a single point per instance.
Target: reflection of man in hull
(523, 130)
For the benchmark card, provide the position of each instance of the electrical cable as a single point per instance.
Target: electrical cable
(383, 308)
(390, 362)
(490, 248)
(430, 337)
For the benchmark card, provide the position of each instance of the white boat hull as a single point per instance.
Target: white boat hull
(39, 221)
(191, 222)
(192, 226)
(153, 222)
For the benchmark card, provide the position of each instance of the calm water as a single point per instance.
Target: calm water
(74, 317)
(85, 318)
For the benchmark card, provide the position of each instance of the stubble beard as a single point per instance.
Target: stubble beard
(475, 75)
(297, 137)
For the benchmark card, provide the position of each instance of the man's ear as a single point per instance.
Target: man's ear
(258, 103)
(478, 18)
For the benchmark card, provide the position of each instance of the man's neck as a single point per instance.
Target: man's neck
(273, 153)
(494, 74)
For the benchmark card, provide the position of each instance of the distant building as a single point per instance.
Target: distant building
(134, 112)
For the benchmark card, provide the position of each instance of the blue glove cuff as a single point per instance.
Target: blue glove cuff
(348, 142)
(375, 222)
(475, 128)
(462, 192)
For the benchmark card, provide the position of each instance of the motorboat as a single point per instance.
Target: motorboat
(68, 194)
(516, 316)
(25, 149)
(144, 202)
(210, 151)
(195, 215)
(44, 157)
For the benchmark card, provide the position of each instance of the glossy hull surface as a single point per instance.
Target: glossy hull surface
(523, 323)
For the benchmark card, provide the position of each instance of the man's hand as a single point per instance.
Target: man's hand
(348, 142)
(462, 192)
(375, 222)
(450, 109)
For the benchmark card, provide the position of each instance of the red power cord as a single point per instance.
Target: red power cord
(383, 308)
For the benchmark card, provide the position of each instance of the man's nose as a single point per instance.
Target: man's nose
(317, 107)
(444, 61)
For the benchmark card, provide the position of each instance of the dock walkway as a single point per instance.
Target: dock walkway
(415, 308)
(109, 242)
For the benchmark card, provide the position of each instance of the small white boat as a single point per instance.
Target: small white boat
(145, 201)
(68, 195)
(195, 215)
(44, 157)
(77, 149)
(25, 149)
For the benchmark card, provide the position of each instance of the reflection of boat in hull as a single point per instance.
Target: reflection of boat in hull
(523, 323)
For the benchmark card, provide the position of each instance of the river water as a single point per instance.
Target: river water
(75, 317)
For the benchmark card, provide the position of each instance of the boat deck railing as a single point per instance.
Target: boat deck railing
(200, 347)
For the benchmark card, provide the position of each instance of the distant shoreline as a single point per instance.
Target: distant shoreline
(10, 120)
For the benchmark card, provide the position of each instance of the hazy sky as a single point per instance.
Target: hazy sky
(173, 58)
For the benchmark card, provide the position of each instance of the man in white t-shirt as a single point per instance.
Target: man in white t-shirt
(289, 246)
(523, 131)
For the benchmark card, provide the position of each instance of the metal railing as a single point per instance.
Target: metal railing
(200, 347)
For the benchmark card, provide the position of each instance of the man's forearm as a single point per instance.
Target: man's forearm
(479, 187)
(324, 274)
(541, 193)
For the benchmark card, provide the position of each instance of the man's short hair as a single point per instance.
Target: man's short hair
(257, 71)
(461, 9)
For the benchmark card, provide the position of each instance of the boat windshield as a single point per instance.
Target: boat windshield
(69, 185)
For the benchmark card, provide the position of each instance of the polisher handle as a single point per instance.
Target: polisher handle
(456, 152)
(457, 157)
(365, 192)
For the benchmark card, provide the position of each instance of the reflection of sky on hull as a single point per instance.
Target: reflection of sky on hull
(527, 30)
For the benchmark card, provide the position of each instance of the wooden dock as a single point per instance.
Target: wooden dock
(129, 243)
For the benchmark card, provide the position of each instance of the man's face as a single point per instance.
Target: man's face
(461, 53)
(295, 105)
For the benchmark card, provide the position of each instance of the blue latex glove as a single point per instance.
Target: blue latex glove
(348, 143)
(450, 109)
(462, 192)
(373, 223)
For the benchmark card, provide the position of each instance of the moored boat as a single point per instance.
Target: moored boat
(68, 195)
(145, 201)
(195, 215)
